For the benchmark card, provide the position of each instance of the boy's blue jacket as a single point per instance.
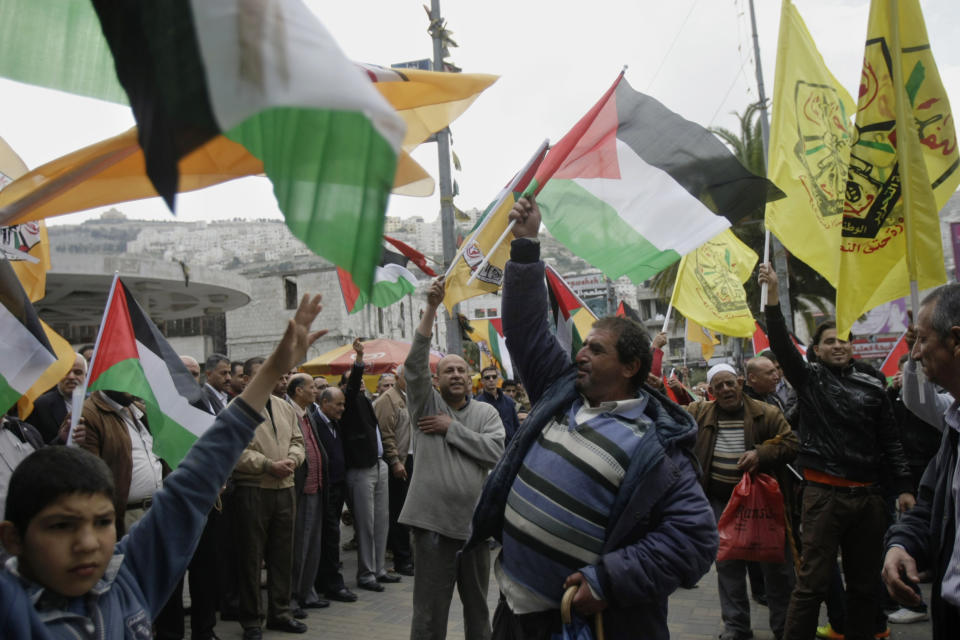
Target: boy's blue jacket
(148, 562)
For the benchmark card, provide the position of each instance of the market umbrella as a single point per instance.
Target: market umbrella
(379, 356)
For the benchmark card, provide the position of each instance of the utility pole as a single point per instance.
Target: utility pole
(779, 254)
(454, 344)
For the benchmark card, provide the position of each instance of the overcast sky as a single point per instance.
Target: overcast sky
(554, 60)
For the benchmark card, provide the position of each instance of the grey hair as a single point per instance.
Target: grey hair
(213, 360)
(946, 309)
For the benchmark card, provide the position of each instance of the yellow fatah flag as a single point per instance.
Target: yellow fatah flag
(113, 170)
(479, 336)
(810, 138)
(903, 168)
(704, 337)
(25, 245)
(709, 288)
(479, 253)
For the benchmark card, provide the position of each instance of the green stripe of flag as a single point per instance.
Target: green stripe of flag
(57, 44)
(333, 201)
(170, 440)
(606, 238)
(24, 356)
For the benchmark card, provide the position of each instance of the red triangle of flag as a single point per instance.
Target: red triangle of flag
(350, 291)
(117, 341)
(891, 364)
(565, 298)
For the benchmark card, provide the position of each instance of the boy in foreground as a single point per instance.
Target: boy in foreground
(69, 576)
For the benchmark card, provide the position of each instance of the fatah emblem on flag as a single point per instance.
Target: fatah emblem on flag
(810, 140)
(903, 168)
(824, 136)
(489, 273)
(16, 241)
(715, 269)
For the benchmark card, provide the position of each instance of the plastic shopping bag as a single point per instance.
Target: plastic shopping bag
(752, 525)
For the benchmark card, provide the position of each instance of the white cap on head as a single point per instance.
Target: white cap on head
(717, 368)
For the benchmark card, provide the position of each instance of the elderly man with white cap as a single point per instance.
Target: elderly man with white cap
(738, 435)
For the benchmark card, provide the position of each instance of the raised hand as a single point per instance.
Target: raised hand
(527, 215)
(435, 293)
(766, 275)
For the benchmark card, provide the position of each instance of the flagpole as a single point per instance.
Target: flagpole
(447, 225)
(666, 319)
(76, 401)
(486, 258)
(781, 263)
(766, 259)
(511, 186)
(904, 126)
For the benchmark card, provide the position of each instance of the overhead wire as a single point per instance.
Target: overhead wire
(676, 37)
(743, 60)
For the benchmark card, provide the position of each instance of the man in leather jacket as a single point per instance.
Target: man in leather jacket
(848, 444)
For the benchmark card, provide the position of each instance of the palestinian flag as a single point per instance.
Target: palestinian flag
(25, 352)
(571, 317)
(761, 343)
(633, 186)
(391, 280)
(132, 355)
(891, 364)
(624, 310)
(488, 335)
(266, 75)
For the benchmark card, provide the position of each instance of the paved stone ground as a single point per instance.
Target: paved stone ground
(694, 614)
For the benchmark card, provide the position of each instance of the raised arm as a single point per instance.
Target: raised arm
(160, 546)
(356, 372)
(533, 349)
(416, 369)
(794, 367)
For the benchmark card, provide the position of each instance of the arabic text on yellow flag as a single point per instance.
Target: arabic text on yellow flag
(914, 119)
(704, 337)
(810, 138)
(25, 245)
(709, 288)
(481, 242)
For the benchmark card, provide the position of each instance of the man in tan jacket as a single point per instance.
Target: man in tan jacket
(739, 435)
(391, 411)
(265, 506)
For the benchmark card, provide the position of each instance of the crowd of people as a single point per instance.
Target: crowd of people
(600, 481)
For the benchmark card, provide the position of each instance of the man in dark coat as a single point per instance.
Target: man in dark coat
(926, 536)
(598, 489)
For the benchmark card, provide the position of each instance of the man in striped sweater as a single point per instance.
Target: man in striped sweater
(738, 435)
(598, 489)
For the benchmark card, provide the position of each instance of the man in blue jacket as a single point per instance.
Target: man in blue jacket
(598, 489)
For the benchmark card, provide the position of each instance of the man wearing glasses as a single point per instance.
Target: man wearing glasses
(503, 403)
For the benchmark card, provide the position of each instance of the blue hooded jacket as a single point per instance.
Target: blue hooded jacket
(148, 562)
(662, 533)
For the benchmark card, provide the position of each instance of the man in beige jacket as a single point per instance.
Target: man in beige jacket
(394, 420)
(265, 506)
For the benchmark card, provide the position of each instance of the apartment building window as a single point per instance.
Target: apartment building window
(290, 292)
